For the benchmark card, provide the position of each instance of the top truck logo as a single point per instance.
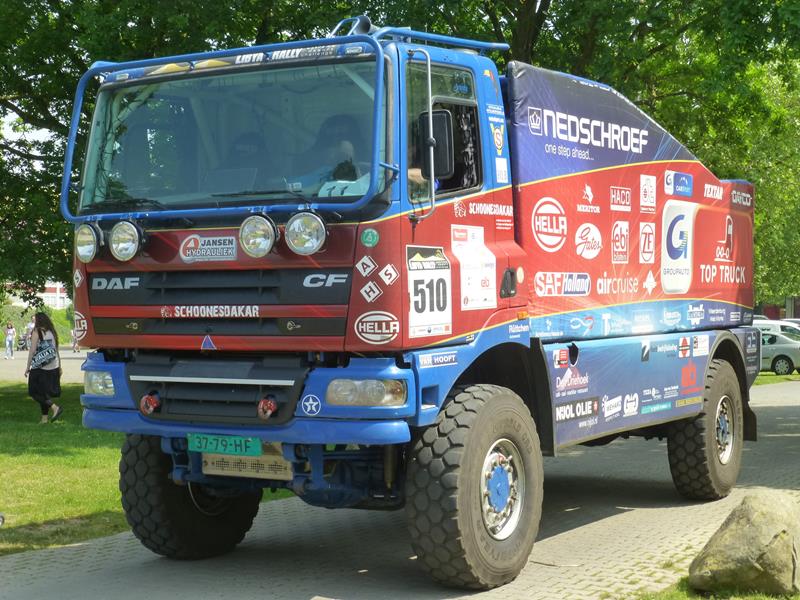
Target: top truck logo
(586, 131)
(549, 223)
(678, 184)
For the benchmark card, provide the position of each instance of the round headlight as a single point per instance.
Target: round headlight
(305, 233)
(87, 241)
(257, 236)
(124, 240)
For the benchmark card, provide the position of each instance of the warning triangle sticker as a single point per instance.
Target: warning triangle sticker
(207, 344)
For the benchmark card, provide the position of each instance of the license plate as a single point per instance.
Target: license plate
(270, 465)
(233, 445)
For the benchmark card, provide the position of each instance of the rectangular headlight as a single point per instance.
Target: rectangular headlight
(98, 383)
(366, 392)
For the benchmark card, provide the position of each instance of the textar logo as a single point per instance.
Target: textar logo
(549, 224)
(712, 191)
(114, 283)
(535, 120)
(677, 238)
(377, 327)
(724, 249)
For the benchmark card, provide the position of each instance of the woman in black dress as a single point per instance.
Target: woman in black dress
(44, 367)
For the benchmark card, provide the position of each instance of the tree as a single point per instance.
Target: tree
(720, 74)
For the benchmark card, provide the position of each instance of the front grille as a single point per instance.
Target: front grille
(277, 286)
(222, 390)
(300, 326)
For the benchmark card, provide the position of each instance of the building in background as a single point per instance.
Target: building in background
(54, 295)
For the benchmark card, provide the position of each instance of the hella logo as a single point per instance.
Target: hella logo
(115, 283)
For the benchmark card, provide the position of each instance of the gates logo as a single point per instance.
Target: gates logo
(620, 242)
(549, 224)
(588, 241)
(647, 243)
(377, 327)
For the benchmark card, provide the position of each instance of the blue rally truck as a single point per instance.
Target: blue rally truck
(372, 270)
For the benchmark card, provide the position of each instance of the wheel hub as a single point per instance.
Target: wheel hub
(724, 431)
(502, 489)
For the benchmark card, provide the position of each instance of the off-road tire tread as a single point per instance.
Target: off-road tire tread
(144, 483)
(688, 462)
(432, 488)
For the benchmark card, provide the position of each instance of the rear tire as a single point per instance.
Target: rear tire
(782, 365)
(183, 522)
(705, 452)
(474, 489)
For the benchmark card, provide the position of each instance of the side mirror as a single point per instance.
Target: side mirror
(444, 164)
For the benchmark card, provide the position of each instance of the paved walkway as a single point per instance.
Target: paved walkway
(14, 370)
(612, 525)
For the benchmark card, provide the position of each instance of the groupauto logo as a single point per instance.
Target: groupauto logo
(677, 242)
(377, 327)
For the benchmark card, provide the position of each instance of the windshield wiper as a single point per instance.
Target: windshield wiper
(128, 203)
(297, 195)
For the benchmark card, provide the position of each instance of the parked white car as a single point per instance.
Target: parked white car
(780, 353)
(774, 326)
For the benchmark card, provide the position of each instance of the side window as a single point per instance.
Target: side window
(454, 91)
(768, 340)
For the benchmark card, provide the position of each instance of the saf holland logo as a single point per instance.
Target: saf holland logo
(549, 223)
(548, 283)
(588, 241)
(678, 184)
(115, 283)
(377, 327)
(196, 248)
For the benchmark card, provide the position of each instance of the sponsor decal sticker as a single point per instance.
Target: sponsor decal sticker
(688, 401)
(389, 274)
(650, 395)
(678, 184)
(647, 243)
(311, 405)
(724, 249)
(561, 358)
(366, 266)
(549, 283)
(549, 223)
(438, 359)
(370, 237)
(572, 382)
(377, 327)
(578, 409)
(459, 209)
(477, 267)
(645, 350)
(81, 325)
(611, 407)
(695, 314)
(491, 208)
(700, 344)
(515, 330)
(647, 193)
(620, 198)
(684, 347)
(77, 278)
(620, 242)
(689, 377)
(671, 318)
(588, 241)
(658, 407)
(239, 311)
(196, 248)
(630, 405)
(497, 136)
(582, 324)
(535, 120)
(501, 169)
(371, 291)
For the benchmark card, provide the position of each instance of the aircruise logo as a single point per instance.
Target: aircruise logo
(586, 131)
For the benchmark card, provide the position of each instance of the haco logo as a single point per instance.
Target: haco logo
(620, 198)
(377, 327)
(620, 242)
(678, 184)
(724, 250)
(588, 241)
(647, 243)
(549, 224)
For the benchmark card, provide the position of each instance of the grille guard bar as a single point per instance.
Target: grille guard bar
(99, 68)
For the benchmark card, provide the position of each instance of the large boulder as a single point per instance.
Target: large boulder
(755, 549)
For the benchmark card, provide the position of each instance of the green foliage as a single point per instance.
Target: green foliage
(722, 75)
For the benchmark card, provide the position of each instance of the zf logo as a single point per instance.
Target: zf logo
(317, 280)
(115, 283)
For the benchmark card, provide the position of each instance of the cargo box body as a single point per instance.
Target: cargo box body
(626, 232)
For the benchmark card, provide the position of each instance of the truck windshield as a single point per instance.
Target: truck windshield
(232, 138)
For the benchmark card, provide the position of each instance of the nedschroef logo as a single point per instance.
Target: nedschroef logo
(535, 120)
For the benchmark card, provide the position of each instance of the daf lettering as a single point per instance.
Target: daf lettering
(115, 283)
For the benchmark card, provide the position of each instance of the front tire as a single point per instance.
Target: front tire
(705, 453)
(183, 522)
(474, 489)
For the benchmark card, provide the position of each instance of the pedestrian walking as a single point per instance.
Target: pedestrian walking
(44, 367)
(11, 338)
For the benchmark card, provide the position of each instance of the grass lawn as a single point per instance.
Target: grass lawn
(682, 591)
(58, 482)
(766, 377)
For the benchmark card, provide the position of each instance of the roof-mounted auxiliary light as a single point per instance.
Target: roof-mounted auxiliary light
(305, 233)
